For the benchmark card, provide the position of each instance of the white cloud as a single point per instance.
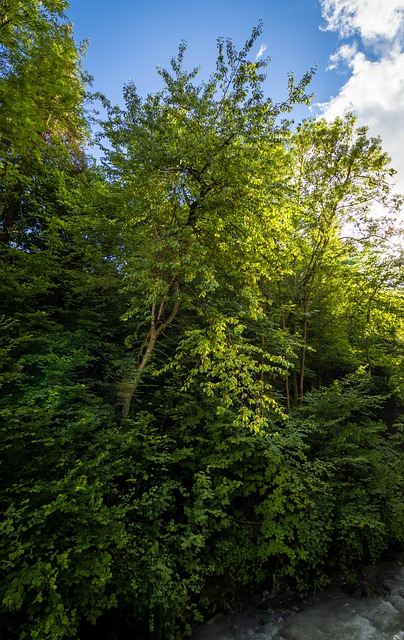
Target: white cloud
(374, 90)
(261, 51)
(344, 54)
(371, 19)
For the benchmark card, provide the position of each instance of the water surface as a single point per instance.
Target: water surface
(336, 617)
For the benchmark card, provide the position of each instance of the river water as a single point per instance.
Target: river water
(335, 617)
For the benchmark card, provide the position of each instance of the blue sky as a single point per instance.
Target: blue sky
(128, 39)
(358, 46)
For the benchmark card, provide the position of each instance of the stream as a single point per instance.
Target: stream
(335, 616)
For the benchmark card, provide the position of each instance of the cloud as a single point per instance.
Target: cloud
(261, 51)
(373, 57)
(344, 54)
(371, 19)
(375, 92)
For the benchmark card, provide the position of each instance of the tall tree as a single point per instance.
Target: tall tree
(41, 113)
(200, 169)
(338, 174)
(58, 270)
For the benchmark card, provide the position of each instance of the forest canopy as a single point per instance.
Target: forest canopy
(202, 371)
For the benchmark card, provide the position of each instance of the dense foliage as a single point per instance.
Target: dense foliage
(202, 372)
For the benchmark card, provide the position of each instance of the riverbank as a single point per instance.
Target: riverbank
(268, 615)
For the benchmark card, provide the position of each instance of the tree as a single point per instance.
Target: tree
(58, 269)
(200, 170)
(41, 110)
(338, 173)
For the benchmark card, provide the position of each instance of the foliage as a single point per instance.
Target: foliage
(366, 479)
(200, 171)
(201, 344)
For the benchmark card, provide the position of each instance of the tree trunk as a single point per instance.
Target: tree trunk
(283, 325)
(303, 353)
(128, 390)
(157, 326)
